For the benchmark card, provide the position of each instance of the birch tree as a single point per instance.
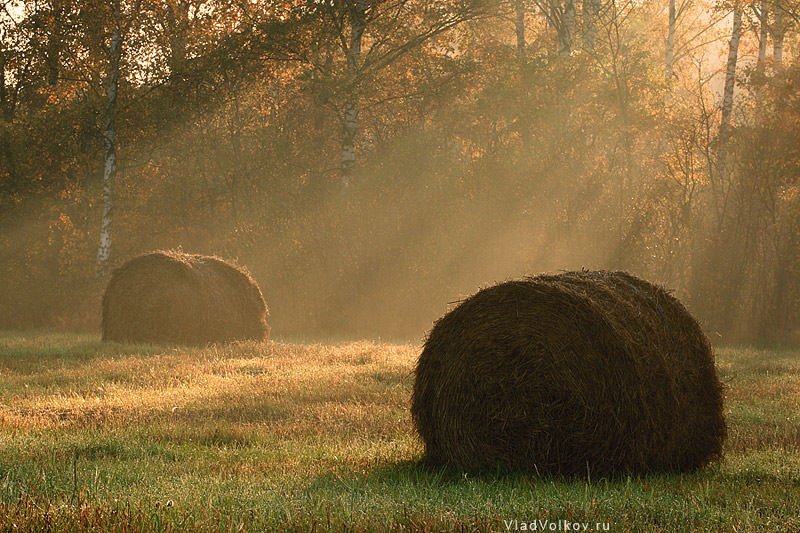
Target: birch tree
(730, 72)
(119, 27)
(779, 29)
(762, 12)
(561, 15)
(670, 49)
(114, 53)
(718, 184)
(373, 35)
(566, 27)
(352, 51)
(519, 26)
(591, 14)
(177, 14)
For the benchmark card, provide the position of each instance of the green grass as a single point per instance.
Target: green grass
(272, 437)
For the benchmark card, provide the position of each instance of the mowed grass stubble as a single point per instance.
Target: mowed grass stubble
(278, 436)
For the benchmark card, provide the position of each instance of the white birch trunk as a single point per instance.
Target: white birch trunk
(519, 26)
(763, 14)
(350, 126)
(567, 26)
(730, 73)
(719, 181)
(177, 19)
(591, 10)
(109, 138)
(777, 49)
(778, 35)
(670, 55)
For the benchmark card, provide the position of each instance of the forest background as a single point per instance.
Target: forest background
(372, 161)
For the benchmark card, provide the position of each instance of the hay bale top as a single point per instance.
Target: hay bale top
(169, 296)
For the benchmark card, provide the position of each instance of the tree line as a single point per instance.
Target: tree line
(372, 160)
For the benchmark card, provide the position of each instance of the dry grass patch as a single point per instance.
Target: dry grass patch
(292, 437)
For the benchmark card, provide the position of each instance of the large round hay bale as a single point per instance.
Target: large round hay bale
(575, 373)
(178, 298)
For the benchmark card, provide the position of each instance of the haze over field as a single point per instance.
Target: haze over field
(371, 162)
(360, 167)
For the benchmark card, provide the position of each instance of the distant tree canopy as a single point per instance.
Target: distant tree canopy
(370, 161)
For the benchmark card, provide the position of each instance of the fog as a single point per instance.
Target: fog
(367, 192)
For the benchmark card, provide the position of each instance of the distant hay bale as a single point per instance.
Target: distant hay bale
(566, 374)
(179, 298)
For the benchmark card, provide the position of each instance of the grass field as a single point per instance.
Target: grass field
(276, 436)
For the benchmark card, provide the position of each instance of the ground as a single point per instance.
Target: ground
(300, 437)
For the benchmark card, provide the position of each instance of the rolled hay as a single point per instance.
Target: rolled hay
(171, 297)
(582, 372)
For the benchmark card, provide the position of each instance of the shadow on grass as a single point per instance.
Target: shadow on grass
(28, 355)
(421, 474)
(420, 484)
(31, 356)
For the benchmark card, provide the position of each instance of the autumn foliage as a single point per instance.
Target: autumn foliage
(474, 161)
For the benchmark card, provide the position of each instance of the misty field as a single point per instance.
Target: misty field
(303, 437)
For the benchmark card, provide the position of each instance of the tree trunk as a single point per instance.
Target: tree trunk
(350, 125)
(565, 29)
(778, 35)
(730, 74)
(777, 53)
(177, 20)
(719, 188)
(6, 118)
(55, 43)
(236, 169)
(519, 26)
(670, 55)
(763, 14)
(774, 321)
(109, 139)
(591, 10)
